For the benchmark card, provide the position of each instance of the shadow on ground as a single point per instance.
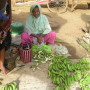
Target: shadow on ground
(85, 17)
(56, 21)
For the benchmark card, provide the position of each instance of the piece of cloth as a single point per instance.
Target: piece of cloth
(5, 30)
(6, 43)
(3, 34)
(5, 37)
(37, 25)
(2, 16)
(50, 37)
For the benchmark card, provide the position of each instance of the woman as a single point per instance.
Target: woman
(5, 32)
(37, 27)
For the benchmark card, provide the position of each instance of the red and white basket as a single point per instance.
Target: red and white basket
(25, 55)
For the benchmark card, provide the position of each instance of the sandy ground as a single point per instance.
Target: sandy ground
(68, 30)
(27, 79)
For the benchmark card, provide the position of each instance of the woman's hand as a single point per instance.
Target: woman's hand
(39, 39)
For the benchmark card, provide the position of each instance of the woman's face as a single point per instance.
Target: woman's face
(36, 12)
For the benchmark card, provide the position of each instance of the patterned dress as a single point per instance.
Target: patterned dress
(5, 37)
(5, 30)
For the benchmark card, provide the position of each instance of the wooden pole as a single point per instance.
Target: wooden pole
(74, 5)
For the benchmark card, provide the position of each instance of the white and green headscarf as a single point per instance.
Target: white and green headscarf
(37, 25)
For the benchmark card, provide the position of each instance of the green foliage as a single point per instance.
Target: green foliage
(64, 73)
(41, 54)
(44, 48)
(10, 86)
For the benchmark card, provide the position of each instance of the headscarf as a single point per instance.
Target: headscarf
(4, 8)
(37, 25)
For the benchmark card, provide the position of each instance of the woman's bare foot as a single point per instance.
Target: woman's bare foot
(4, 70)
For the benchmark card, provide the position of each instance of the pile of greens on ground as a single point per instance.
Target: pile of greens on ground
(41, 54)
(64, 73)
(10, 86)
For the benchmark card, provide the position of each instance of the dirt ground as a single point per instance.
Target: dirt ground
(67, 26)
